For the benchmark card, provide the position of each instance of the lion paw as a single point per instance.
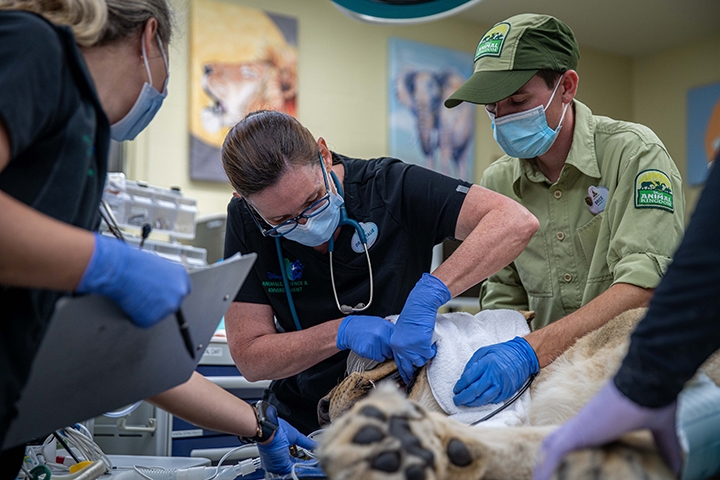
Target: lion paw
(387, 436)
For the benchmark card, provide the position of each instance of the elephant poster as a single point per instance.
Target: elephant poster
(241, 60)
(422, 130)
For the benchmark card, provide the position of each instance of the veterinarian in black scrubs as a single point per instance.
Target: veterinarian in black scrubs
(71, 78)
(679, 332)
(291, 191)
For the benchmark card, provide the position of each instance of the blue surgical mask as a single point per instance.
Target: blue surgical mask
(146, 106)
(526, 134)
(318, 229)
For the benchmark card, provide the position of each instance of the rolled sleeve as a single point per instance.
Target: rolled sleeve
(641, 269)
(643, 238)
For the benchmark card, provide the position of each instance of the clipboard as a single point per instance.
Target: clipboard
(93, 360)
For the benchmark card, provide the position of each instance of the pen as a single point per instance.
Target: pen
(185, 332)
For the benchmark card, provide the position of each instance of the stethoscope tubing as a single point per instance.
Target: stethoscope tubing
(344, 220)
(286, 284)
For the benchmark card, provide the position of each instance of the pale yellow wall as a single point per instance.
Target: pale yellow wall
(343, 92)
(605, 83)
(661, 84)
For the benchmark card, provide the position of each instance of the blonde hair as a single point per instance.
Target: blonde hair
(98, 22)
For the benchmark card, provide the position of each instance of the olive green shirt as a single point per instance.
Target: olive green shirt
(576, 254)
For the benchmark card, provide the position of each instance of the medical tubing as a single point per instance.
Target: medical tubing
(309, 465)
(344, 220)
(286, 283)
(91, 472)
(86, 445)
(124, 411)
(311, 436)
(243, 468)
(66, 447)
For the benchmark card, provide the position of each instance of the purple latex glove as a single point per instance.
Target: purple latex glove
(604, 419)
(411, 342)
(367, 336)
(495, 373)
(275, 455)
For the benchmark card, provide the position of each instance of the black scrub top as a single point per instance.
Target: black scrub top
(59, 139)
(413, 209)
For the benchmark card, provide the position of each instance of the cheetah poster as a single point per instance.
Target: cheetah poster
(422, 130)
(241, 60)
(703, 134)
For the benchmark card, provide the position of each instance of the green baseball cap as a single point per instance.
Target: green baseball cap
(512, 52)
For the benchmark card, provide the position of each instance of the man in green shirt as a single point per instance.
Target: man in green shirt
(607, 194)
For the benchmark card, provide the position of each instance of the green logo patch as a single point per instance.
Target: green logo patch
(653, 189)
(492, 42)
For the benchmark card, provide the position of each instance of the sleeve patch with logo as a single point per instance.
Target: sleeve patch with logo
(492, 42)
(653, 189)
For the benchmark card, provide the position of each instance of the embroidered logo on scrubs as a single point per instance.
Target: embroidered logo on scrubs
(293, 271)
(492, 42)
(653, 189)
(371, 234)
(596, 199)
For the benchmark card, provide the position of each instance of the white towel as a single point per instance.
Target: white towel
(459, 335)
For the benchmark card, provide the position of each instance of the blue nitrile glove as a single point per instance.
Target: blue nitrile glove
(411, 342)
(608, 416)
(495, 372)
(275, 455)
(148, 288)
(366, 335)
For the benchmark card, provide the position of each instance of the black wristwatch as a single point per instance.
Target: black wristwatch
(267, 423)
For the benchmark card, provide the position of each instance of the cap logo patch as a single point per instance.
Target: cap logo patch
(492, 42)
(653, 189)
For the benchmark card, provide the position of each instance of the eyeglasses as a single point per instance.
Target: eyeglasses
(289, 225)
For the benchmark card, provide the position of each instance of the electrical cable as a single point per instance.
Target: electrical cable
(84, 429)
(109, 218)
(311, 436)
(36, 472)
(66, 447)
(89, 448)
(308, 465)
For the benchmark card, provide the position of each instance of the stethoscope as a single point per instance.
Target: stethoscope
(344, 220)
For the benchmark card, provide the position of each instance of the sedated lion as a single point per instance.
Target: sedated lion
(389, 435)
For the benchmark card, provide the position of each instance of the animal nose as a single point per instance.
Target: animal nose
(323, 412)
